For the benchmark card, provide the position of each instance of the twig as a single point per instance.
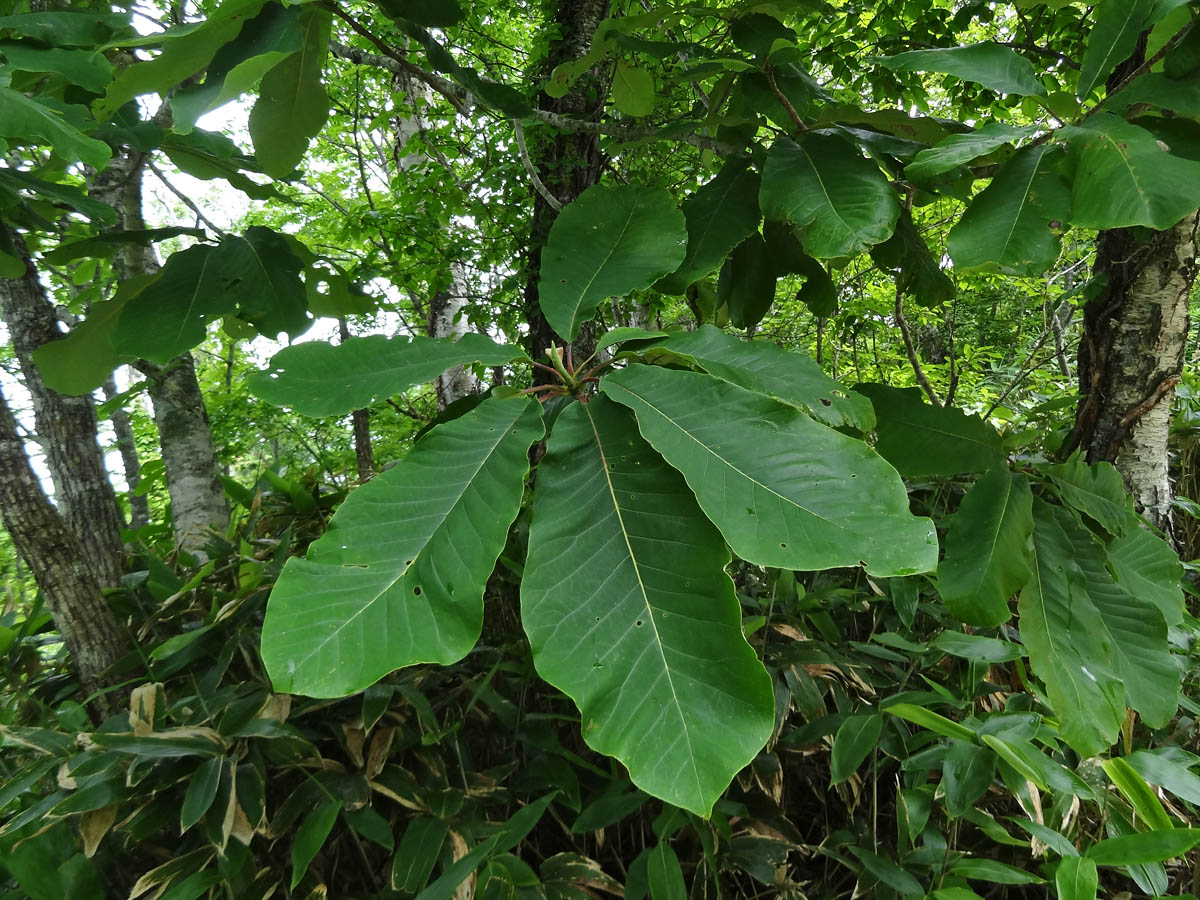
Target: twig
(911, 350)
(784, 101)
(538, 184)
(187, 201)
(1164, 387)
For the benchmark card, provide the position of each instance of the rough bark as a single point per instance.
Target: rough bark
(66, 427)
(198, 504)
(567, 163)
(190, 463)
(1131, 356)
(139, 505)
(364, 455)
(59, 565)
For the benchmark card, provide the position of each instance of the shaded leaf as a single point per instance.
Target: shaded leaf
(989, 549)
(633, 90)
(87, 69)
(1076, 879)
(24, 119)
(418, 851)
(854, 741)
(319, 379)
(1097, 491)
(311, 837)
(1115, 29)
(997, 68)
(824, 185)
(747, 282)
(1144, 847)
(967, 773)
(959, 149)
(917, 273)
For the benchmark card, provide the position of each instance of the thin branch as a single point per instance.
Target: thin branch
(911, 350)
(187, 201)
(538, 184)
(784, 101)
(1042, 51)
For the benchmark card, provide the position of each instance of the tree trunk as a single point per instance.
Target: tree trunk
(66, 427)
(446, 320)
(59, 565)
(568, 164)
(1131, 356)
(139, 506)
(364, 455)
(190, 462)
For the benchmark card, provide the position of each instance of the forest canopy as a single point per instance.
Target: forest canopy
(585, 447)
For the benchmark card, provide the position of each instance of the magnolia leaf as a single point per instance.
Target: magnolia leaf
(68, 27)
(1147, 567)
(763, 367)
(292, 104)
(1177, 97)
(824, 185)
(270, 293)
(633, 90)
(1133, 626)
(82, 360)
(719, 216)
(607, 243)
(429, 13)
(1097, 491)
(1066, 650)
(1124, 177)
(629, 611)
(959, 149)
(22, 118)
(106, 244)
(785, 490)
(747, 283)
(920, 439)
(787, 257)
(264, 42)
(997, 68)
(186, 50)
(319, 379)
(398, 577)
(917, 272)
(1012, 226)
(1114, 35)
(91, 71)
(989, 549)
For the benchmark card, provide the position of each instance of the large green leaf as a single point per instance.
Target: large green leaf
(997, 68)
(762, 366)
(186, 50)
(747, 283)
(1066, 650)
(916, 270)
(1146, 847)
(1097, 490)
(319, 379)
(1012, 226)
(67, 27)
(607, 243)
(1112, 39)
(785, 490)
(107, 243)
(89, 70)
(24, 119)
(80, 362)
(270, 293)
(398, 578)
(172, 314)
(920, 439)
(989, 549)
(1133, 626)
(1177, 97)
(292, 104)
(264, 42)
(1124, 177)
(719, 216)
(958, 149)
(825, 186)
(630, 612)
(1148, 568)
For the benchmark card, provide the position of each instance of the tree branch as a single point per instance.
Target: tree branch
(911, 350)
(187, 201)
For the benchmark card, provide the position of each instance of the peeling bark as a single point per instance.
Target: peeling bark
(66, 427)
(1131, 356)
(446, 320)
(139, 505)
(59, 565)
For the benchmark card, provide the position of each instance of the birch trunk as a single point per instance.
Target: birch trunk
(66, 427)
(139, 506)
(59, 565)
(1131, 356)
(364, 455)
